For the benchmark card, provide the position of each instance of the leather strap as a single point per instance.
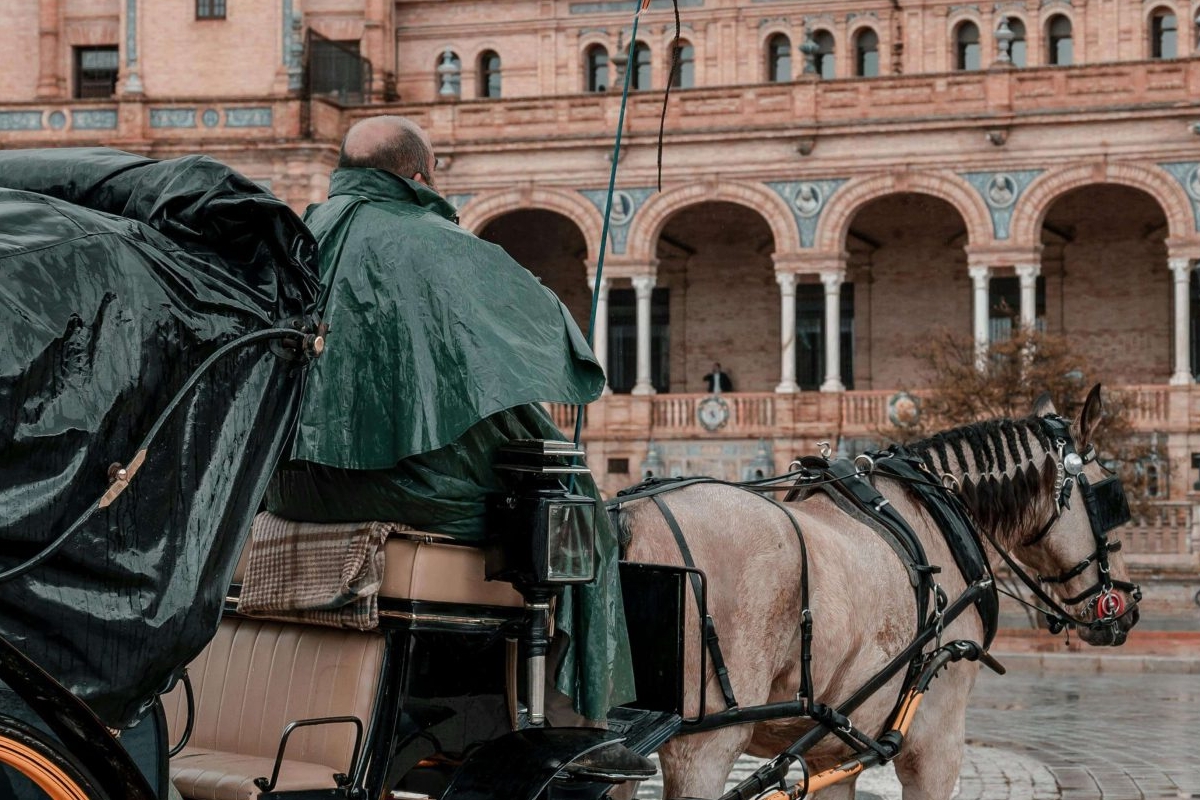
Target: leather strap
(711, 640)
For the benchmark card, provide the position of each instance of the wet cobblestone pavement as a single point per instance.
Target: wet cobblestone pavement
(1056, 735)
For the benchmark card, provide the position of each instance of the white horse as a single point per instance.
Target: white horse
(1010, 474)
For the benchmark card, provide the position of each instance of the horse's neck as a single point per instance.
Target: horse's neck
(987, 481)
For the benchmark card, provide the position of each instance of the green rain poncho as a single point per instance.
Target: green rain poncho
(440, 349)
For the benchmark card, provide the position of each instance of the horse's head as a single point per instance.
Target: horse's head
(1075, 551)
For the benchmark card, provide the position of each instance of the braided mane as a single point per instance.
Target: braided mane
(1004, 468)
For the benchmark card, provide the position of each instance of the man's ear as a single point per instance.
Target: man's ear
(1043, 405)
(1089, 417)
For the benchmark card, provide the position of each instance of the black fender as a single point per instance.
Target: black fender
(520, 765)
(82, 733)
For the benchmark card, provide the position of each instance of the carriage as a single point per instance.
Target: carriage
(128, 644)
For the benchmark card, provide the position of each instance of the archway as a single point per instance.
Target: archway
(714, 262)
(906, 273)
(1107, 286)
(553, 248)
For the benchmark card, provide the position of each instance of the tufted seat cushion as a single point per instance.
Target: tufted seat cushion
(254, 678)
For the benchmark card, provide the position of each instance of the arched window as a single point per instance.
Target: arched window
(640, 66)
(824, 56)
(1164, 34)
(685, 67)
(866, 53)
(1017, 49)
(449, 74)
(967, 53)
(596, 77)
(779, 58)
(1060, 47)
(489, 74)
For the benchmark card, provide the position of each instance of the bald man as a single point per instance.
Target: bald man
(441, 349)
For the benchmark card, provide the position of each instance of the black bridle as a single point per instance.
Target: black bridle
(1107, 509)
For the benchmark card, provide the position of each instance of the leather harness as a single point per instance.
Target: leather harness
(851, 491)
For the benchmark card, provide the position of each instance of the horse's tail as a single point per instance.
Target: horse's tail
(621, 525)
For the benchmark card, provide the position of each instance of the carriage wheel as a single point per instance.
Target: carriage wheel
(56, 772)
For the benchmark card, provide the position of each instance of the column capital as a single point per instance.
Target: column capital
(1028, 271)
(786, 281)
(642, 284)
(605, 282)
(833, 279)
(979, 272)
(1181, 266)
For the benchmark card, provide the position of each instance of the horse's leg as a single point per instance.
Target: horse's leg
(929, 763)
(839, 791)
(698, 765)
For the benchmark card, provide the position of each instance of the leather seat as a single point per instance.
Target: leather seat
(253, 679)
(256, 676)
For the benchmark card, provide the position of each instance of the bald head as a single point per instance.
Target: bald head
(392, 143)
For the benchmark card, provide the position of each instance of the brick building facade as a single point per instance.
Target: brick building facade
(866, 167)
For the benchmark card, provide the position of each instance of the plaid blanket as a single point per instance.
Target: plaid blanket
(323, 574)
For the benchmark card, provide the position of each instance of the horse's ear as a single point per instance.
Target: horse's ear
(1089, 417)
(1043, 405)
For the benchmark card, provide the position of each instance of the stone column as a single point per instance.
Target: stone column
(1028, 275)
(643, 285)
(1182, 269)
(833, 331)
(787, 332)
(980, 274)
(600, 330)
(48, 66)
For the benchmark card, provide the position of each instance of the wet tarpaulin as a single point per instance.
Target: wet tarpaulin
(119, 276)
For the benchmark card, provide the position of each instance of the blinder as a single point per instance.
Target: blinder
(1107, 507)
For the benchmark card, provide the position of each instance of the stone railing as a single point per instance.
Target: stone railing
(1165, 532)
(883, 101)
(858, 414)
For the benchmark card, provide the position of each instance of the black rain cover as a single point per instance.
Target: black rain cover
(119, 275)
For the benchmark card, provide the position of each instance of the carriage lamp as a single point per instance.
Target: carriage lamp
(541, 537)
(541, 534)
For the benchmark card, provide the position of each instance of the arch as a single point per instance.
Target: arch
(1058, 39)
(596, 66)
(847, 201)
(1163, 31)
(1040, 195)
(825, 57)
(777, 61)
(488, 73)
(649, 221)
(488, 206)
(968, 45)
(865, 47)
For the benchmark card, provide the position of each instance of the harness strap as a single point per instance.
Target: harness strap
(711, 640)
(867, 499)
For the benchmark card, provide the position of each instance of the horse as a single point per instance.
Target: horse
(1013, 479)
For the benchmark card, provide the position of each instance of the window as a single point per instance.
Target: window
(1004, 306)
(640, 66)
(1058, 39)
(967, 54)
(779, 59)
(824, 56)
(866, 54)
(810, 335)
(597, 68)
(210, 9)
(449, 74)
(335, 69)
(685, 69)
(1164, 34)
(1016, 48)
(489, 74)
(622, 339)
(96, 71)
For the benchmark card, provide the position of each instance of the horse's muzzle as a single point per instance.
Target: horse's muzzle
(1110, 632)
